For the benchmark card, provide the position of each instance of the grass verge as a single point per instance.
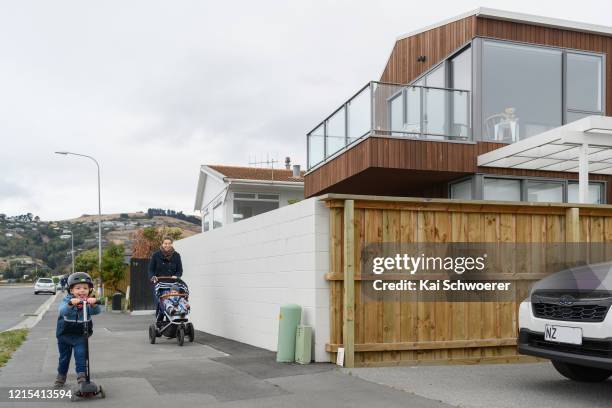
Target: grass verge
(9, 342)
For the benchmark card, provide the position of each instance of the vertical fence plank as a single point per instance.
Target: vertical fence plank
(348, 327)
(391, 304)
(408, 303)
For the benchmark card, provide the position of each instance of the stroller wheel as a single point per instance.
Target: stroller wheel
(180, 335)
(190, 332)
(152, 333)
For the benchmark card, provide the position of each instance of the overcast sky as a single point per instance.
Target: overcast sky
(153, 89)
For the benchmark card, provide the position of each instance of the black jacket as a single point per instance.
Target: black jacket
(159, 266)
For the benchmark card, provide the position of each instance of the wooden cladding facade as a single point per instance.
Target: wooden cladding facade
(437, 43)
(377, 164)
(397, 330)
(434, 44)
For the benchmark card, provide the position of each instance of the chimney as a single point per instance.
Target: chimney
(296, 171)
(288, 163)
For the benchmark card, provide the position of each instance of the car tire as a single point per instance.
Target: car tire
(580, 373)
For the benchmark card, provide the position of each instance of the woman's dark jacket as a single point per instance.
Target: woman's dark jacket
(160, 266)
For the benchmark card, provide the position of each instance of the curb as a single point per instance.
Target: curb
(32, 321)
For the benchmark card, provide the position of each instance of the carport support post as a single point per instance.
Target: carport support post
(348, 315)
(583, 174)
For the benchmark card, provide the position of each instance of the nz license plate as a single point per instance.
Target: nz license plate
(563, 334)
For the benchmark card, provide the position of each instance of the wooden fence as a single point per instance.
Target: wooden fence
(401, 331)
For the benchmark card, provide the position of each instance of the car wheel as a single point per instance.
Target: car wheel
(581, 373)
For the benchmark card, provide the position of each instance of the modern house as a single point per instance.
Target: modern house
(491, 127)
(227, 194)
(481, 82)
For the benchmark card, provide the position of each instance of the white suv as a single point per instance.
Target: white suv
(565, 319)
(44, 285)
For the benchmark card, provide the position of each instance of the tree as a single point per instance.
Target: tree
(148, 240)
(87, 261)
(113, 266)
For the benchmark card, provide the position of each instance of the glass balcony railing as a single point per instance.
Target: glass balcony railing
(396, 111)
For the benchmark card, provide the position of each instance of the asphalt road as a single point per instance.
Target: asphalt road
(17, 301)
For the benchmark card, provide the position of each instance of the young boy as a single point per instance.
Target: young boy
(70, 326)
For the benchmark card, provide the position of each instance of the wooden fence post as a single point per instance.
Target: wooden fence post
(572, 225)
(348, 324)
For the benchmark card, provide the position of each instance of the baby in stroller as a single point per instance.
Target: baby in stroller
(174, 302)
(172, 314)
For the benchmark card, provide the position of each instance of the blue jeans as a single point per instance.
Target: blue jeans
(66, 345)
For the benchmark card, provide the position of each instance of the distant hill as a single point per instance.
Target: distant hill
(38, 245)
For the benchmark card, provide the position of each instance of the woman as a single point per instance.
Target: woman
(165, 262)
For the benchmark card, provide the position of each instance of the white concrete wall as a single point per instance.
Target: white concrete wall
(241, 274)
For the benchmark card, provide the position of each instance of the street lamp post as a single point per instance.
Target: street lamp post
(71, 245)
(99, 208)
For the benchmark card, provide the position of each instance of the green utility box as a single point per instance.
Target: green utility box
(303, 344)
(288, 321)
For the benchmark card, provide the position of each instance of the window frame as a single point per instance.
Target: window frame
(477, 75)
(478, 185)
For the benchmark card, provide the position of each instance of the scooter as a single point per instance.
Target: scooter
(87, 389)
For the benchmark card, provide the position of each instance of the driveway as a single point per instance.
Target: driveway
(491, 385)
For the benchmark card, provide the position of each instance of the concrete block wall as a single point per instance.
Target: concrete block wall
(239, 275)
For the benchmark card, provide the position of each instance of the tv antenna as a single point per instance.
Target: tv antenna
(268, 163)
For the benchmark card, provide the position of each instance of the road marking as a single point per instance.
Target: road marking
(32, 321)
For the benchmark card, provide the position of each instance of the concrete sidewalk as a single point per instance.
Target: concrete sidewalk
(212, 372)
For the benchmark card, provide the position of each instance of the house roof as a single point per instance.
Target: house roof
(245, 175)
(257, 173)
(520, 18)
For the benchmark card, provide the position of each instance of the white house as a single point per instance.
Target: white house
(227, 194)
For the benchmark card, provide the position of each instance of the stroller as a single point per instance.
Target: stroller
(175, 324)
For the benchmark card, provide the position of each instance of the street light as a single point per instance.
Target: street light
(72, 245)
(99, 208)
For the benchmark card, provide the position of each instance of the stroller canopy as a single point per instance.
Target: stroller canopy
(163, 286)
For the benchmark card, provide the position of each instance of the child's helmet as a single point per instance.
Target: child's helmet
(79, 277)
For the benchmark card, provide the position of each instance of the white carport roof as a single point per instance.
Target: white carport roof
(559, 149)
(583, 146)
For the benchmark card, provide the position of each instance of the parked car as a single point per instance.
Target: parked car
(44, 285)
(566, 319)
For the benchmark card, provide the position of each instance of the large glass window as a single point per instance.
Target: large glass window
(247, 205)
(521, 90)
(584, 82)
(437, 77)
(594, 195)
(461, 77)
(461, 70)
(461, 190)
(545, 191)
(499, 189)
